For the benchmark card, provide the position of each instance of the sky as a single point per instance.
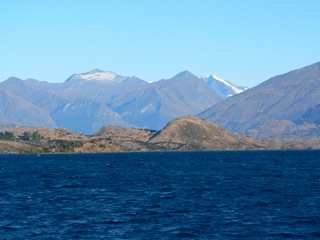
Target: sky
(245, 42)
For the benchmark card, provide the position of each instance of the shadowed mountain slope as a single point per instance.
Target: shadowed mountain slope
(18, 110)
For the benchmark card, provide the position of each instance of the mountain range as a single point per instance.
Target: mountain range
(286, 106)
(86, 102)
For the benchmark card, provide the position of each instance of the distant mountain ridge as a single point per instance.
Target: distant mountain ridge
(88, 101)
(285, 106)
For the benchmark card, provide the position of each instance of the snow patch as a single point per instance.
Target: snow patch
(66, 107)
(228, 90)
(99, 76)
(236, 90)
(149, 106)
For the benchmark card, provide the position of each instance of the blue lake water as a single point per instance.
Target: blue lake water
(184, 195)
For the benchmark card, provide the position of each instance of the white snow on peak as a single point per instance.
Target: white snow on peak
(223, 87)
(235, 89)
(99, 76)
(225, 82)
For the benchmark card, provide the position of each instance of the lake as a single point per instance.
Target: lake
(161, 195)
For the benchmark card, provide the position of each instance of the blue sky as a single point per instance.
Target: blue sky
(245, 42)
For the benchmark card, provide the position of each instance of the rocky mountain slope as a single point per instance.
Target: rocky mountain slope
(284, 106)
(185, 133)
(86, 102)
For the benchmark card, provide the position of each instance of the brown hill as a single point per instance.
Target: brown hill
(40, 140)
(185, 133)
(8, 147)
(182, 134)
(117, 133)
(191, 133)
(51, 134)
(128, 139)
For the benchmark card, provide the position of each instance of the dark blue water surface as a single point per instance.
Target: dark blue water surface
(197, 195)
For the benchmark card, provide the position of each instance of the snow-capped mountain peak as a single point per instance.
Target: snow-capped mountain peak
(233, 87)
(223, 87)
(97, 75)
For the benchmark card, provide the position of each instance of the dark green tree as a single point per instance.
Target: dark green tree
(27, 136)
(36, 136)
(9, 135)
